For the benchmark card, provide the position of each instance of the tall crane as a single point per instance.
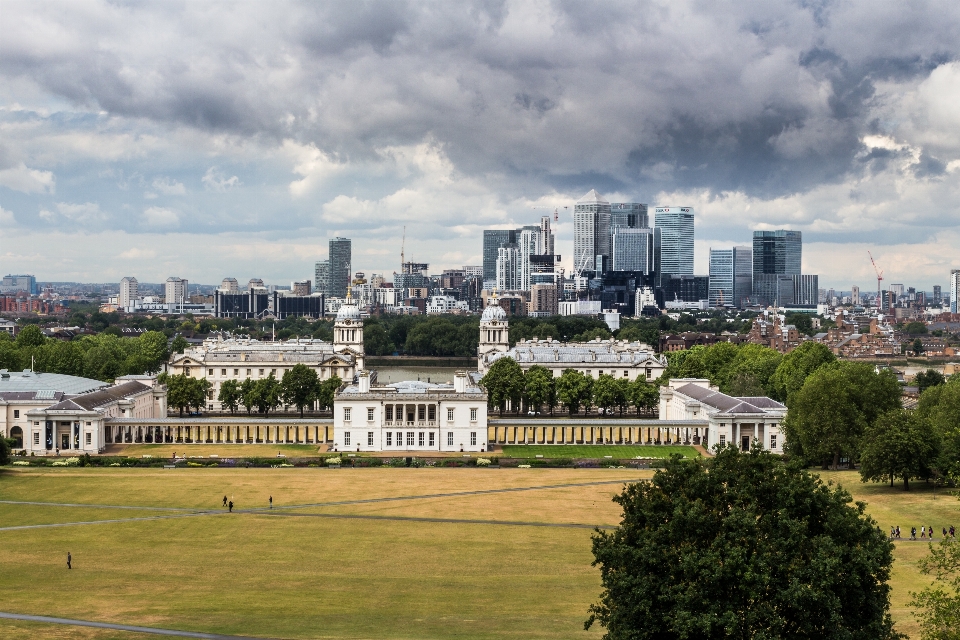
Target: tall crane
(556, 211)
(879, 280)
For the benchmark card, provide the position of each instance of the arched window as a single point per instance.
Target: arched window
(16, 434)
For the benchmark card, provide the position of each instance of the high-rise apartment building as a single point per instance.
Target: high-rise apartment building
(176, 291)
(855, 295)
(339, 271)
(897, 289)
(544, 300)
(633, 215)
(954, 290)
(493, 239)
(937, 294)
(230, 285)
(634, 249)
(129, 292)
(677, 234)
(321, 274)
(591, 230)
(508, 267)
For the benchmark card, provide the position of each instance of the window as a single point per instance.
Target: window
(450, 415)
(346, 414)
(449, 438)
(369, 438)
(88, 438)
(369, 413)
(399, 438)
(723, 440)
(432, 438)
(209, 372)
(599, 372)
(421, 412)
(473, 415)
(16, 413)
(409, 438)
(626, 374)
(420, 439)
(236, 372)
(250, 372)
(223, 372)
(36, 437)
(432, 412)
(346, 438)
(773, 441)
(389, 438)
(186, 371)
(389, 412)
(273, 371)
(261, 372)
(473, 438)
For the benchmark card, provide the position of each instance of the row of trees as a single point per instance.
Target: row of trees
(300, 387)
(101, 357)
(506, 382)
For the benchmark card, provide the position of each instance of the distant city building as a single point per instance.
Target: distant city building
(230, 285)
(473, 271)
(340, 267)
(300, 288)
(634, 249)
(493, 239)
(731, 276)
(544, 300)
(897, 289)
(591, 231)
(855, 295)
(677, 235)
(632, 215)
(15, 283)
(176, 292)
(129, 292)
(776, 254)
(321, 275)
(937, 295)
(255, 283)
(508, 267)
(954, 290)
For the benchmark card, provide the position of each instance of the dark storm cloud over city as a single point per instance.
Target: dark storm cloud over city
(187, 135)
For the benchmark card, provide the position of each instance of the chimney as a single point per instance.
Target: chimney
(364, 378)
(460, 382)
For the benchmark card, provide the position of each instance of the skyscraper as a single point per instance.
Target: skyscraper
(633, 249)
(677, 233)
(937, 294)
(339, 271)
(321, 274)
(954, 290)
(731, 276)
(629, 214)
(493, 239)
(742, 275)
(508, 267)
(129, 292)
(591, 230)
(775, 253)
(855, 295)
(176, 291)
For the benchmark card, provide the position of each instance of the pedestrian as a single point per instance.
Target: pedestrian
(953, 532)
(69, 561)
(944, 532)
(913, 533)
(231, 506)
(898, 532)
(271, 502)
(224, 500)
(893, 533)
(930, 529)
(57, 450)
(923, 532)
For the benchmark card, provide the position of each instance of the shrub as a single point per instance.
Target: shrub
(21, 463)
(483, 462)
(334, 461)
(523, 466)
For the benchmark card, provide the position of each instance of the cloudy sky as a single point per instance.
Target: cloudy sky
(206, 139)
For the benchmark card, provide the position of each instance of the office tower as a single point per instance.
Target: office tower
(176, 291)
(508, 267)
(474, 271)
(493, 239)
(591, 231)
(229, 285)
(633, 215)
(300, 288)
(633, 249)
(321, 274)
(15, 283)
(897, 289)
(775, 253)
(954, 290)
(546, 237)
(806, 290)
(721, 277)
(855, 295)
(937, 294)
(742, 275)
(128, 293)
(677, 233)
(338, 273)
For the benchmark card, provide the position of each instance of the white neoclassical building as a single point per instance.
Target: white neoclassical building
(618, 358)
(727, 419)
(220, 359)
(411, 416)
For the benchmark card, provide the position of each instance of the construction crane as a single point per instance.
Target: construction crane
(403, 242)
(879, 280)
(556, 211)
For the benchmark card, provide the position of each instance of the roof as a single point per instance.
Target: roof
(729, 404)
(31, 381)
(592, 197)
(91, 401)
(45, 395)
(413, 388)
(608, 353)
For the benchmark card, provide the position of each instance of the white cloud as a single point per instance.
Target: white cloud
(27, 180)
(169, 186)
(160, 218)
(87, 212)
(7, 219)
(215, 180)
(137, 254)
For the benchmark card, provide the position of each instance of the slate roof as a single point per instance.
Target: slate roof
(598, 353)
(91, 401)
(32, 381)
(44, 394)
(728, 404)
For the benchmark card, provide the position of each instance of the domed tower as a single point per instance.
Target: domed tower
(348, 332)
(494, 336)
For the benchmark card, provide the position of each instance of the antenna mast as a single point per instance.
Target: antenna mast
(402, 243)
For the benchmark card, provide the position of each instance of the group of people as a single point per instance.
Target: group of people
(229, 503)
(925, 533)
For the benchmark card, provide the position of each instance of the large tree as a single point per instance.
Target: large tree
(299, 386)
(644, 395)
(829, 414)
(796, 367)
(538, 387)
(503, 382)
(743, 546)
(327, 392)
(267, 394)
(248, 394)
(898, 445)
(574, 389)
(937, 607)
(178, 392)
(606, 392)
(940, 405)
(230, 395)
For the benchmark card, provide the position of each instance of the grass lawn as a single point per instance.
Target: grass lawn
(595, 451)
(303, 576)
(206, 450)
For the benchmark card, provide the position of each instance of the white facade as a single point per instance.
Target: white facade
(411, 416)
(645, 298)
(129, 293)
(445, 304)
(176, 292)
(954, 290)
(730, 420)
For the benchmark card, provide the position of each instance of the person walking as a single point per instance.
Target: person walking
(271, 504)
(898, 532)
(913, 533)
(224, 500)
(923, 532)
(930, 530)
(944, 532)
(953, 532)
(231, 506)
(893, 533)
(69, 561)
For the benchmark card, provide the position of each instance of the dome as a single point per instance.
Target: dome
(493, 312)
(348, 312)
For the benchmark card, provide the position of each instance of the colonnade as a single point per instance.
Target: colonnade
(598, 435)
(410, 415)
(219, 434)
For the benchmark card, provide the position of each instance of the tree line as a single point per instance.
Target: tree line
(299, 387)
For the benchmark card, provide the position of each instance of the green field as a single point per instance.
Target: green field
(335, 567)
(621, 452)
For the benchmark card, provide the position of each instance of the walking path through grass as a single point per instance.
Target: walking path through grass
(123, 627)
(595, 451)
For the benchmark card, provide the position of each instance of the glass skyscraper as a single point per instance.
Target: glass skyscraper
(633, 250)
(629, 214)
(493, 239)
(338, 272)
(775, 254)
(676, 250)
(591, 231)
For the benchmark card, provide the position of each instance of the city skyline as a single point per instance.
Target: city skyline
(296, 124)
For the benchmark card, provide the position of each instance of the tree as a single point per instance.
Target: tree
(606, 392)
(796, 367)
(940, 405)
(574, 389)
(30, 336)
(178, 345)
(153, 348)
(267, 394)
(230, 395)
(538, 387)
(937, 607)
(929, 378)
(6, 445)
(328, 391)
(898, 445)
(829, 414)
(248, 394)
(644, 395)
(178, 392)
(742, 546)
(299, 386)
(376, 340)
(503, 382)
(917, 347)
(750, 371)
(198, 390)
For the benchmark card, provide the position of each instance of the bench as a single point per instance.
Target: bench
(169, 466)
